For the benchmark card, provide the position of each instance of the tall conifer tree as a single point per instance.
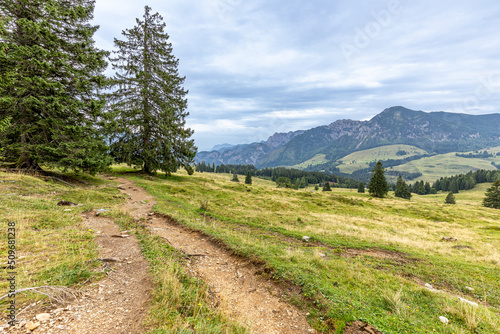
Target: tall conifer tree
(402, 189)
(492, 199)
(50, 76)
(378, 184)
(149, 102)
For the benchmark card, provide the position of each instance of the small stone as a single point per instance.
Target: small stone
(43, 317)
(469, 288)
(428, 286)
(444, 320)
(22, 323)
(322, 255)
(305, 238)
(468, 301)
(32, 325)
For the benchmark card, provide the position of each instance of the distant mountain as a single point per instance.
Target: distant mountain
(247, 153)
(222, 147)
(434, 132)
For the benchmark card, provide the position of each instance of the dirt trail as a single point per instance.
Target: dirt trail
(119, 302)
(116, 304)
(235, 287)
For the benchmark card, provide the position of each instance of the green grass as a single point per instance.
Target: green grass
(181, 303)
(316, 160)
(432, 168)
(53, 247)
(361, 159)
(378, 252)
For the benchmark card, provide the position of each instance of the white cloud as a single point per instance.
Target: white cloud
(248, 63)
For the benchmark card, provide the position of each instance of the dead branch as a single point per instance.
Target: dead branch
(58, 179)
(56, 293)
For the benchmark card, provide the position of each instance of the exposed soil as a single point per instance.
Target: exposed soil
(116, 304)
(234, 283)
(119, 302)
(358, 327)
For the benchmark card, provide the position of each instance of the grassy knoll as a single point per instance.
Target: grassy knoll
(368, 258)
(361, 159)
(442, 165)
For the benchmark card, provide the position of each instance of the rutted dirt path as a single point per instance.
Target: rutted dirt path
(235, 287)
(116, 304)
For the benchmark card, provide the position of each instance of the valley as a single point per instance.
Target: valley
(423, 144)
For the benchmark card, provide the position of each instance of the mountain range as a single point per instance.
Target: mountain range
(435, 132)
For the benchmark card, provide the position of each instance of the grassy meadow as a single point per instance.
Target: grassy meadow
(432, 168)
(55, 248)
(361, 159)
(52, 245)
(367, 259)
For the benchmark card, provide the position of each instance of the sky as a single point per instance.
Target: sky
(256, 67)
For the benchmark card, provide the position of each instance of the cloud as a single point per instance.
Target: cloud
(256, 67)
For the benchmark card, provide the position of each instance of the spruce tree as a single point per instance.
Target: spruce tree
(248, 178)
(149, 103)
(492, 199)
(361, 187)
(402, 190)
(378, 184)
(326, 186)
(235, 178)
(50, 77)
(450, 199)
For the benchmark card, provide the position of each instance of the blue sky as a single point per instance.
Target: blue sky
(254, 68)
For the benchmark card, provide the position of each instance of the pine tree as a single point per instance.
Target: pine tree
(326, 186)
(235, 178)
(149, 102)
(450, 199)
(378, 184)
(50, 77)
(248, 178)
(454, 186)
(402, 190)
(492, 199)
(427, 188)
(361, 187)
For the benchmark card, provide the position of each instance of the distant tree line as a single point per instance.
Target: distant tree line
(483, 155)
(405, 175)
(422, 188)
(466, 181)
(297, 178)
